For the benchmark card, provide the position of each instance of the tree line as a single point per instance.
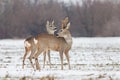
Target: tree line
(91, 18)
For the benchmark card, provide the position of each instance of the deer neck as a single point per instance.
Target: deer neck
(49, 31)
(68, 39)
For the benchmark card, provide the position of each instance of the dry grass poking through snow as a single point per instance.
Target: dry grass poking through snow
(42, 78)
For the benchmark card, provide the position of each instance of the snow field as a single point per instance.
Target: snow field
(90, 58)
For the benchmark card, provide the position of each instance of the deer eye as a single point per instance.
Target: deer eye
(50, 25)
(61, 30)
(64, 27)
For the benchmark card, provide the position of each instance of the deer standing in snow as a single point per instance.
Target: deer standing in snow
(62, 44)
(30, 45)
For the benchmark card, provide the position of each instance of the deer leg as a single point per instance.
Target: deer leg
(31, 57)
(61, 58)
(24, 57)
(67, 57)
(37, 64)
(36, 59)
(49, 58)
(44, 59)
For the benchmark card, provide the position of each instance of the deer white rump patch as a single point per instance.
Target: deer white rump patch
(27, 44)
(35, 41)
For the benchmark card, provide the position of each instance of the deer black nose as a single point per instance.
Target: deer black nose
(56, 33)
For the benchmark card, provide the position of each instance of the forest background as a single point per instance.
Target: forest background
(89, 18)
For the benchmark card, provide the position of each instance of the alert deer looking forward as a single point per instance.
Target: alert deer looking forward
(30, 45)
(62, 44)
(50, 27)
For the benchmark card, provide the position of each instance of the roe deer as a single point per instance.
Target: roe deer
(62, 44)
(50, 27)
(30, 45)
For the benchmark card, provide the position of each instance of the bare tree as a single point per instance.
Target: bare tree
(21, 18)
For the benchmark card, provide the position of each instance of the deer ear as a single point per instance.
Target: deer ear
(62, 24)
(47, 22)
(68, 26)
(66, 19)
(53, 22)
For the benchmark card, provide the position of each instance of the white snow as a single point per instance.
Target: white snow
(90, 58)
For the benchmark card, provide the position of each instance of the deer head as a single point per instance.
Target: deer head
(50, 27)
(65, 33)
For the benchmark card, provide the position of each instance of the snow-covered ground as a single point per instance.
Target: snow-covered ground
(90, 58)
